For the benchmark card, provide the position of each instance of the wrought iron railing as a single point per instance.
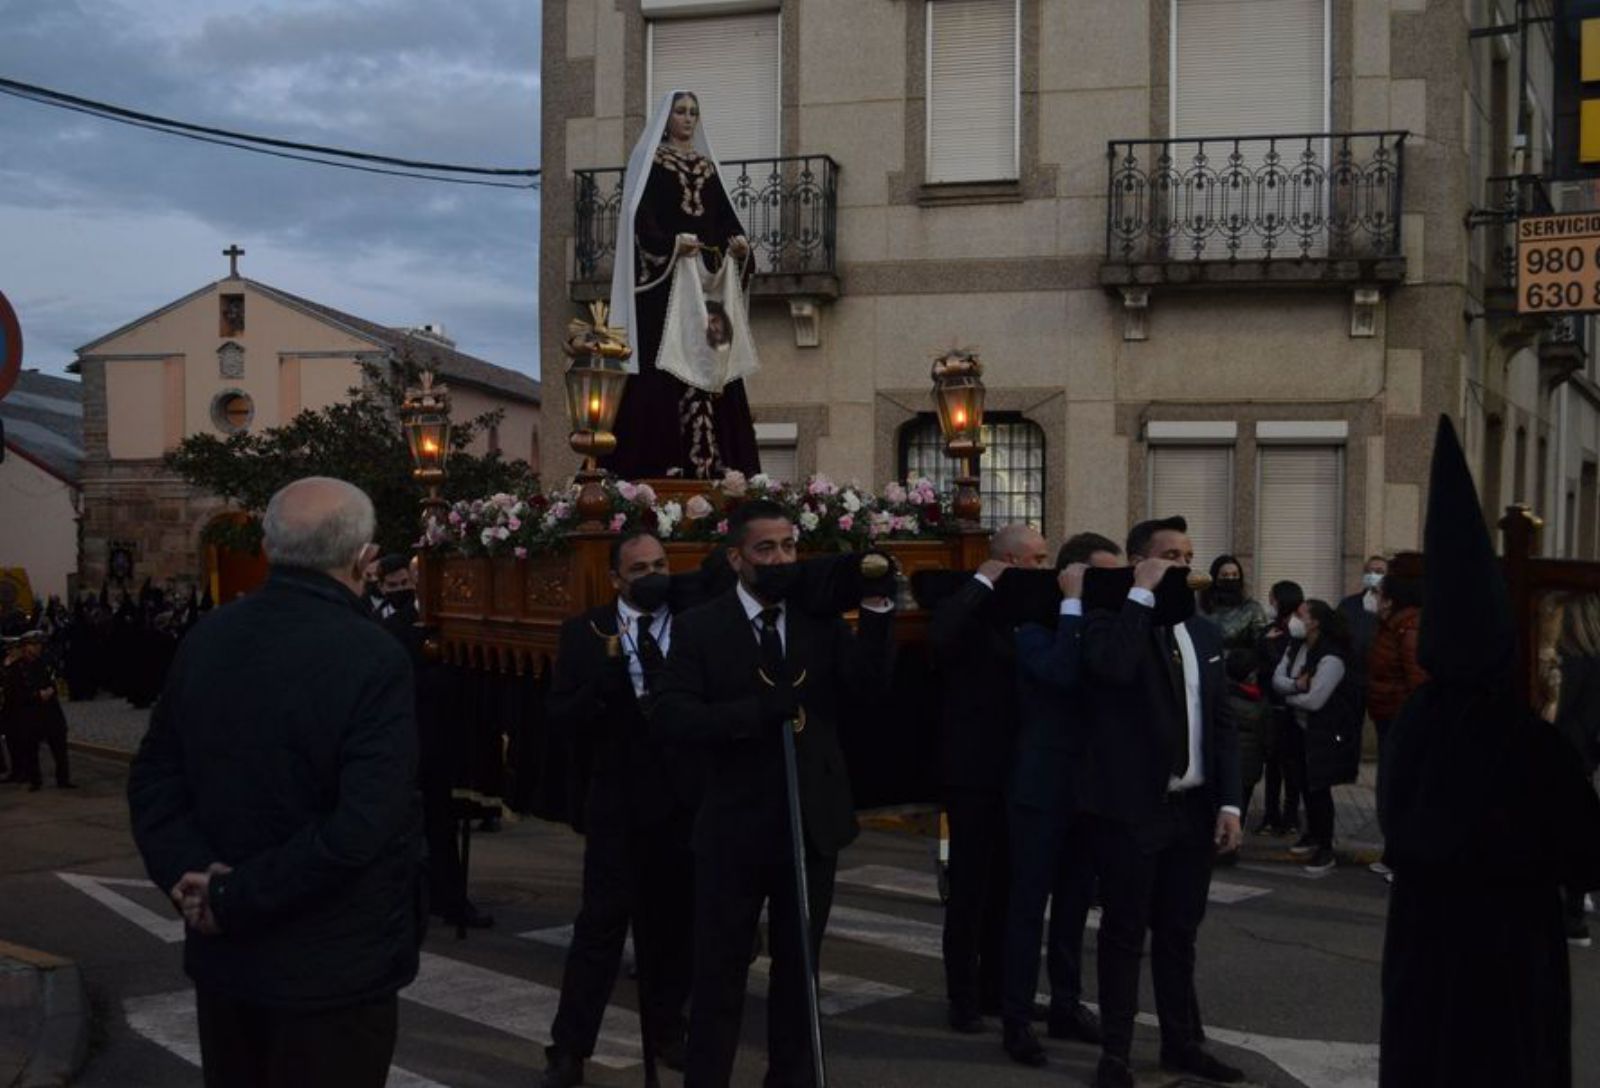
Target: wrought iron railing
(1291, 197)
(789, 208)
(1510, 197)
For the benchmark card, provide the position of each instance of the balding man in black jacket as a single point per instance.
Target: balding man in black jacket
(274, 797)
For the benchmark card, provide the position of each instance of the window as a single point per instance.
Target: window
(1010, 473)
(1249, 68)
(1195, 482)
(232, 411)
(973, 90)
(778, 444)
(493, 443)
(1299, 519)
(731, 64)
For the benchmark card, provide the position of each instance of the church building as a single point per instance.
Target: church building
(238, 355)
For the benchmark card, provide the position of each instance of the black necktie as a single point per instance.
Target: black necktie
(772, 646)
(1178, 730)
(650, 657)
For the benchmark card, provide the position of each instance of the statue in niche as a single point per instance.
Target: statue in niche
(677, 289)
(232, 315)
(230, 360)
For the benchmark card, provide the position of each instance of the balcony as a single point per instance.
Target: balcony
(789, 208)
(1294, 210)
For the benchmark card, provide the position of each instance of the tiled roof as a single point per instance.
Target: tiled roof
(44, 419)
(446, 362)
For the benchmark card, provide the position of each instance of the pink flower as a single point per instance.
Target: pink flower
(734, 483)
(618, 521)
(846, 523)
(722, 527)
(628, 491)
(645, 494)
(455, 518)
(894, 494)
(821, 485)
(698, 507)
(514, 523)
(520, 553)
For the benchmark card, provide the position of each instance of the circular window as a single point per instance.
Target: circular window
(232, 410)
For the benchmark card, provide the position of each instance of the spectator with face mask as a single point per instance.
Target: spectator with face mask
(1281, 807)
(1226, 604)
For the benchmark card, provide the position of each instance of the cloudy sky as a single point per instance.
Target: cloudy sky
(101, 223)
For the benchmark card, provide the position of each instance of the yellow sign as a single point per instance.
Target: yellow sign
(1558, 263)
(1589, 70)
(16, 595)
(1589, 130)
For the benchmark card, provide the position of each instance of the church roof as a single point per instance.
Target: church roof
(44, 422)
(429, 352)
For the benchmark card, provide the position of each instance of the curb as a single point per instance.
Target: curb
(62, 1041)
(104, 751)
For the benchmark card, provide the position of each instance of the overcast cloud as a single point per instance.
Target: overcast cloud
(101, 223)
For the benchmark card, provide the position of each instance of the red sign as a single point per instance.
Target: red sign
(10, 346)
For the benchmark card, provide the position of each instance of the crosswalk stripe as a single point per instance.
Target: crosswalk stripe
(168, 1020)
(924, 885)
(515, 1006)
(840, 993)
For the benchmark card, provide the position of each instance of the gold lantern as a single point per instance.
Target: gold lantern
(958, 395)
(595, 384)
(425, 415)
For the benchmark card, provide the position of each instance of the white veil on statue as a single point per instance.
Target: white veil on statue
(633, 185)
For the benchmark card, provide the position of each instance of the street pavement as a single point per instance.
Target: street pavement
(1288, 974)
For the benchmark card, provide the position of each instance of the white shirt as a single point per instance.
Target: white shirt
(1196, 775)
(628, 629)
(753, 608)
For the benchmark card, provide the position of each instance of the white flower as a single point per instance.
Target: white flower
(852, 502)
(808, 521)
(672, 510)
(501, 533)
(488, 538)
(760, 479)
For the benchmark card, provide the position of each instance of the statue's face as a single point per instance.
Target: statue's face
(683, 119)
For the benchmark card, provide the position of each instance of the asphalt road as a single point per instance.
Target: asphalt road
(1288, 965)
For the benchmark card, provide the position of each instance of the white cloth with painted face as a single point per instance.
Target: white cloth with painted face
(706, 341)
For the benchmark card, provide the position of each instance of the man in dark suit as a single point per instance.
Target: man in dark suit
(641, 800)
(972, 646)
(1163, 796)
(1050, 844)
(742, 667)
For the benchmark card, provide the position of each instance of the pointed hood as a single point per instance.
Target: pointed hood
(1467, 637)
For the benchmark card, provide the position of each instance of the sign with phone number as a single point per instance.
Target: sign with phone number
(1558, 264)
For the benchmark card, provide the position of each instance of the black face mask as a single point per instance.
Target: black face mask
(401, 600)
(1228, 591)
(649, 592)
(773, 582)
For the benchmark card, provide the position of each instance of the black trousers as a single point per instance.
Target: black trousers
(634, 872)
(975, 916)
(728, 896)
(248, 1046)
(1285, 770)
(1319, 816)
(25, 750)
(1153, 878)
(1051, 859)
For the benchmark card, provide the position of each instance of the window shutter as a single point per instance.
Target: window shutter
(1197, 483)
(1299, 535)
(1249, 67)
(731, 63)
(972, 90)
(781, 461)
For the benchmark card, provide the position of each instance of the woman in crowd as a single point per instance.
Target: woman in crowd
(1282, 758)
(1393, 669)
(1240, 618)
(1320, 693)
(1578, 714)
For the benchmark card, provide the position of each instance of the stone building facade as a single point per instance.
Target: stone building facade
(238, 355)
(1258, 328)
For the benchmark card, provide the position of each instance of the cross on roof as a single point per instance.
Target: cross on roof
(233, 253)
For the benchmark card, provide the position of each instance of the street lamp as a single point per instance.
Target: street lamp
(958, 395)
(595, 383)
(425, 415)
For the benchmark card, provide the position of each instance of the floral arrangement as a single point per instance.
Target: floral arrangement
(828, 516)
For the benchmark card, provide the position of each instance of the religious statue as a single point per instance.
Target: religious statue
(677, 289)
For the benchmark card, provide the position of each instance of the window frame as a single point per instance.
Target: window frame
(1015, 176)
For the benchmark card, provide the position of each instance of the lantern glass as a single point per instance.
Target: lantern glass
(594, 392)
(428, 436)
(960, 404)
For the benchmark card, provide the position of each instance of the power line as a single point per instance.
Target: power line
(243, 141)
